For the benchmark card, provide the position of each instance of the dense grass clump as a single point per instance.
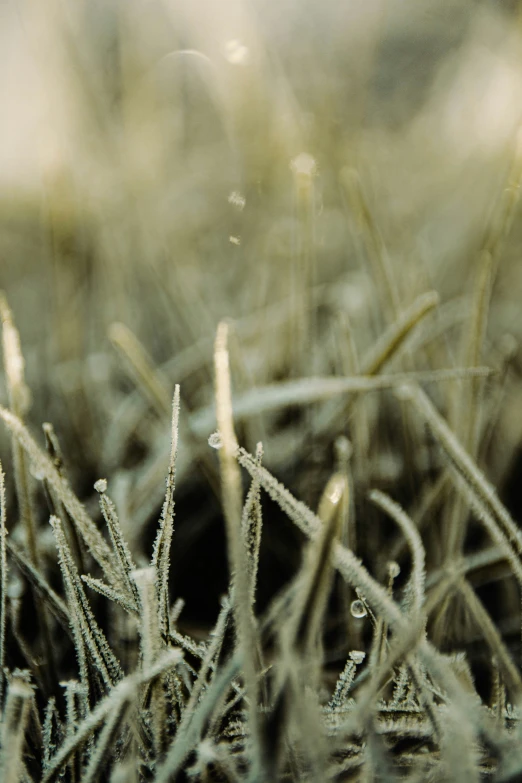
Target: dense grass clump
(294, 234)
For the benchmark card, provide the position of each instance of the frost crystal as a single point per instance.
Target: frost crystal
(237, 200)
(215, 440)
(394, 569)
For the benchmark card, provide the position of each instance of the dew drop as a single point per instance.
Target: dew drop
(358, 609)
(215, 440)
(357, 656)
(236, 52)
(404, 393)
(101, 486)
(37, 473)
(304, 165)
(343, 448)
(15, 588)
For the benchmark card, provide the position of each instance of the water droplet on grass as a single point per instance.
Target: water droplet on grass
(304, 165)
(236, 52)
(358, 609)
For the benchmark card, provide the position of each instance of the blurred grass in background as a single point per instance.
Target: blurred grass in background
(307, 170)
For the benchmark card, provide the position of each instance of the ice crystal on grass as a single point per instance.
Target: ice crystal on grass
(234, 705)
(214, 440)
(101, 486)
(345, 681)
(161, 555)
(205, 621)
(89, 637)
(14, 726)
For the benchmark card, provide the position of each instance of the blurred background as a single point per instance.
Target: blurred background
(304, 169)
